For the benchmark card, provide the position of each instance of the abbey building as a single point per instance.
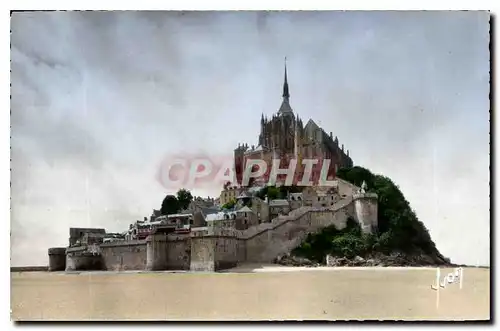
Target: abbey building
(285, 137)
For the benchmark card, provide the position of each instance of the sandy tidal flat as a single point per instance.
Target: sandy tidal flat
(325, 294)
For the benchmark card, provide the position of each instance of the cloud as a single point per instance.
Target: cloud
(99, 98)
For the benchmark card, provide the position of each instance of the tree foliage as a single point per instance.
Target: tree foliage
(398, 226)
(273, 192)
(170, 205)
(230, 204)
(173, 204)
(184, 198)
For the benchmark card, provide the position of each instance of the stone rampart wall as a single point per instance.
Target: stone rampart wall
(226, 252)
(178, 253)
(124, 255)
(202, 253)
(213, 248)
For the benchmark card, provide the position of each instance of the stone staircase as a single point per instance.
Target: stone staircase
(287, 232)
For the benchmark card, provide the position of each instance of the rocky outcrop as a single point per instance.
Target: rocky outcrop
(396, 259)
(290, 260)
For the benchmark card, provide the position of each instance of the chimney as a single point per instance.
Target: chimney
(342, 147)
(331, 135)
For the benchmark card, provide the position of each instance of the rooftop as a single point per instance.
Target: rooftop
(278, 203)
(219, 216)
(245, 210)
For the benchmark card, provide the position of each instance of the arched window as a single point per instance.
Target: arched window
(299, 198)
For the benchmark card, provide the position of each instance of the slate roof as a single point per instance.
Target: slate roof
(245, 210)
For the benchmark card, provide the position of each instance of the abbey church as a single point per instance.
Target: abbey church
(284, 136)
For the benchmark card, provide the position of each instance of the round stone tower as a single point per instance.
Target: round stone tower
(366, 209)
(156, 252)
(57, 259)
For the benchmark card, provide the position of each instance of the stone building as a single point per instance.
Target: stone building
(284, 136)
(295, 200)
(260, 209)
(199, 209)
(229, 193)
(78, 235)
(245, 218)
(320, 197)
(222, 219)
(278, 207)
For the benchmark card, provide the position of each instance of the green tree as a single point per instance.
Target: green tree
(230, 204)
(184, 198)
(272, 192)
(262, 193)
(170, 205)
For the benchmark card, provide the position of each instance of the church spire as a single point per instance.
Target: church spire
(285, 105)
(286, 93)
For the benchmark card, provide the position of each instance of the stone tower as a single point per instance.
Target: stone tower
(280, 132)
(284, 136)
(366, 209)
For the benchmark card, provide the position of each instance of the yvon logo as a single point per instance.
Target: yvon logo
(453, 277)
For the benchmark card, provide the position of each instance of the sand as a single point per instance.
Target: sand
(265, 293)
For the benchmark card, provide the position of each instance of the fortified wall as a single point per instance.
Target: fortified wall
(211, 249)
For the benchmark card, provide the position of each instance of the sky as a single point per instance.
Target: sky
(99, 99)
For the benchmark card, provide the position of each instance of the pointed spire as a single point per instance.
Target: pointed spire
(285, 105)
(286, 93)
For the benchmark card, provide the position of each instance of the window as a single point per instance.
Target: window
(298, 198)
(319, 198)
